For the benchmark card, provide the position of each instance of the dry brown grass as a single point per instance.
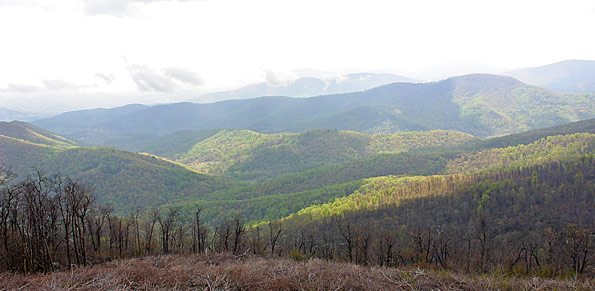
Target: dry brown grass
(226, 272)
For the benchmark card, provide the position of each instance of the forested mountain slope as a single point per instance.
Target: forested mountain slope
(172, 144)
(552, 148)
(390, 191)
(250, 155)
(586, 126)
(83, 126)
(345, 185)
(28, 132)
(124, 179)
(521, 220)
(19, 155)
(482, 105)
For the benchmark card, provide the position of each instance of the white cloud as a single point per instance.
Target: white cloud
(278, 79)
(117, 7)
(167, 80)
(57, 84)
(229, 41)
(108, 78)
(109, 7)
(184, 76)
(20, 3)
(146, 79)
(21, 88)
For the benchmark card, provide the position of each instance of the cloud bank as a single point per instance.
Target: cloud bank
(146, 79)
(21, 88)
(58, 84)
(184, 76)
(166, 80)
(108, 78)
(117, 7)
(278, 79)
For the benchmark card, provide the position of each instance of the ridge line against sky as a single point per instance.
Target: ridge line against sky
(69, 54)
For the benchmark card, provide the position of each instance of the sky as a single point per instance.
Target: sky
(63, 55)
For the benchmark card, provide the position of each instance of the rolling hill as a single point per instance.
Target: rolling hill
(244, 154)
(571, 76)
(28, 132)
(82, 125)
(585, 126)
(346, 184)
(482, 105)
(124, 179)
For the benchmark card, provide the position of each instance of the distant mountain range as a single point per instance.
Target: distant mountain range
(571, 76)
(479, 104)
(310, 86)
(9, 115)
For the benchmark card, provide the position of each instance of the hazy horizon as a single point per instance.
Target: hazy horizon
(77, 54)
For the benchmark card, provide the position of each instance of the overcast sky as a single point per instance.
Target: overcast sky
(67, 54)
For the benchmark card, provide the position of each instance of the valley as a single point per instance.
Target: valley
(401, 175)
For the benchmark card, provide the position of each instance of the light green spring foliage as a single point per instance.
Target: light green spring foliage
(552, 148)
(316, 173)
(248, 155)
(381, 191)
(496, 106)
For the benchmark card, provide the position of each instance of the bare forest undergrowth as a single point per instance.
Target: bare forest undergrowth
(228, 272)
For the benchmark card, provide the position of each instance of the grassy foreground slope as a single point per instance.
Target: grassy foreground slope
(228, 272)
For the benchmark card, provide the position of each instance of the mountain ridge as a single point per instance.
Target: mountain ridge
(569, 76)
(28, 132)
(480, 104)
(309, 86)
